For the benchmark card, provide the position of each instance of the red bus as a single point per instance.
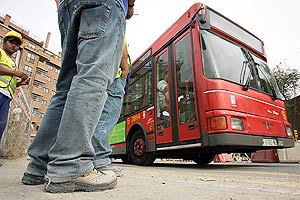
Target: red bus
(202, 88)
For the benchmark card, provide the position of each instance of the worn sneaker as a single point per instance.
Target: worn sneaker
(93, 181)
(118, 171)
(30, 179)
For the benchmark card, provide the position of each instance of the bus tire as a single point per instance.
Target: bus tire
(203, 159)
(138, 154)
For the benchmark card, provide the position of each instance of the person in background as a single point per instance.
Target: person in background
(163, 96)
(92, 35)
(10, 77)
(110, 115)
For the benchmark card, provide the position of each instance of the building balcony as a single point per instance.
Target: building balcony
(40, 78)
(37, 90)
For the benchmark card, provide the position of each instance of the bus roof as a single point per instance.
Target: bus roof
(182, 22)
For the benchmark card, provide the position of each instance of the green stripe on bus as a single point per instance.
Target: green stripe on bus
(117, 135)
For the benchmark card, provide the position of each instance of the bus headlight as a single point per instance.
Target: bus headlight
(237, 124)
(289, 131)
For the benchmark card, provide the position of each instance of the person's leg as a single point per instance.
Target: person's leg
(99, 52)
(47, 132)
(4, 108)
(46, 135)
(108, 119)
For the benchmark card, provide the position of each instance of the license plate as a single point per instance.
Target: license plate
(270, 142)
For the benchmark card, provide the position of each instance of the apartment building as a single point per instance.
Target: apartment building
(40, 64)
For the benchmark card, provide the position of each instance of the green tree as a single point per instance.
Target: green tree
(288, 81)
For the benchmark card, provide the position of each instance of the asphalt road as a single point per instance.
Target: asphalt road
(173, 180)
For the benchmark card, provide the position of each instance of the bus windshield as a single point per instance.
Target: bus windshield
(225, 60)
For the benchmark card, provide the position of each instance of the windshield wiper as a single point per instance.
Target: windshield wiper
(248, 63)
(242, 76)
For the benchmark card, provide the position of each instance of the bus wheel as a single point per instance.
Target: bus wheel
(137, 150)
(203, 159)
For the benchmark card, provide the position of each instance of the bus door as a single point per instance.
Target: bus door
(188, 126)
(163, 114)
(175, 94)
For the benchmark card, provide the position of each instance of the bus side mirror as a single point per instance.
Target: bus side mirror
(203, 21)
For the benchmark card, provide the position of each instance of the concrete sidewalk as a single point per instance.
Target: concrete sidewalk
(172, 180)
(11, 187)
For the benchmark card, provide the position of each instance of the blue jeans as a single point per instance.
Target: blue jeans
(92, 33)
(4, 108)
(108, 119)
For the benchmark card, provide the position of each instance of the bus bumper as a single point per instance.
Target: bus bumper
(252, 141)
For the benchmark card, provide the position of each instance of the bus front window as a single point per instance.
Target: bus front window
(225, 60)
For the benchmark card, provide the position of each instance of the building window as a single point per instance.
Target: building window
(53, 92)
(38, 84)
(30, 57)
(40, 71)
(37, 97)
(54, 81)
(50, 67)
(32, 46)
(27, 70)
(44, 102)
(56, 70)
(36, 111)
(48, 78)
(46, 90)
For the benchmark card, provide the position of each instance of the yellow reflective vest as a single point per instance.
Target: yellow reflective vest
(6, 81)
(128, 60)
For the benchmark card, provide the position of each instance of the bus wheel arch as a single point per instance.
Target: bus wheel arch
(137, 147)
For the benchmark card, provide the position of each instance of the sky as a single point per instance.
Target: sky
(273, 21)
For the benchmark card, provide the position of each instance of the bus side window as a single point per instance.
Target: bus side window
(139, 94)
(163, 113)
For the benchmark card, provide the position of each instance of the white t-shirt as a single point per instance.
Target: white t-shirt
(163, 95)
